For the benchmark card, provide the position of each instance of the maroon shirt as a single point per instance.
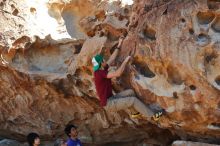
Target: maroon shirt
(103, 85)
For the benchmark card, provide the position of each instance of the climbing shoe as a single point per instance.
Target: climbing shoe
(157, 115)
(136, 115)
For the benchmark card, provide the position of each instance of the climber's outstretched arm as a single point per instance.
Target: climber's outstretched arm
(115, 53)
(112, 57)
(120, 70)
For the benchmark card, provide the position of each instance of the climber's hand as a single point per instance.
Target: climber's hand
(120, 41)
(132, 68)
(127, 58)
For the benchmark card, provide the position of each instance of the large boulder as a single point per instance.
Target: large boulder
(46, 81)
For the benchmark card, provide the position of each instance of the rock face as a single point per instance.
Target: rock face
(7, 142)
(47, 80)
(188, 143)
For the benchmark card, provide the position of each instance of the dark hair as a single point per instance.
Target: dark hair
(68, 129)
(31, 137)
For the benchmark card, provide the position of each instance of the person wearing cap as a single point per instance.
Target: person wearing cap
(71, 132)
(103, 84)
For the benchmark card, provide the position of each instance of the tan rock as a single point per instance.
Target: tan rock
(188, 143)
(47, 82)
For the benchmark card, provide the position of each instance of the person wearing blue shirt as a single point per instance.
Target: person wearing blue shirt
(71, 132)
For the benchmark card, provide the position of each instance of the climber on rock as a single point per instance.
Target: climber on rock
(122, 100)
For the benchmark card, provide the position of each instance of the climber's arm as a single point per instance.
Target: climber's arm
(120, 70)
(113, 56)
(115, 53)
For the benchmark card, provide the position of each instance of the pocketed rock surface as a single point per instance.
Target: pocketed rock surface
(46, 77)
